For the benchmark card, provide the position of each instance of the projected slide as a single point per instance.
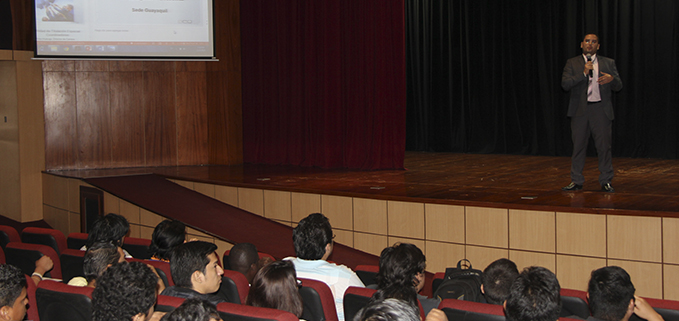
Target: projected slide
(145, 28)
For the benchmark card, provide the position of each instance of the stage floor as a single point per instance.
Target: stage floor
(643, 186)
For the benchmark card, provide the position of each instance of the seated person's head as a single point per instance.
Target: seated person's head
(13, 298)
(193, 310)
(611, 294)
(388, 310)
(275, 286)
(313, 238)
(401, 273)
(497, 278)
(98, 258)
(124, 292)
(243, 258)
(109, 228)
(194, 266)
(166, 235)
(534, 296)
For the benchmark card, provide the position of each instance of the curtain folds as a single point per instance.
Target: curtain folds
(324, 83)
(484, 76)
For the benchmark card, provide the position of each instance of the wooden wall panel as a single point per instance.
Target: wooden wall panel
(61, 149)
(224, 118)
(160, 118)
(127, 119)
(192, 129)
(93, 119)
(338, 209)
(405, 219)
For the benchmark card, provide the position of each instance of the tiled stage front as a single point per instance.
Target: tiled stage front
(453, 206)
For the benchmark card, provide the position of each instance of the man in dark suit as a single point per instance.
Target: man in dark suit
(591, 79)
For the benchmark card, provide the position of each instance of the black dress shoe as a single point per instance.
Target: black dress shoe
(607, 188)
(572, 187)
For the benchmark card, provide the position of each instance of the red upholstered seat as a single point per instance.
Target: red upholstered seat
(367, 273)
(460, 310)
(168, 303)
(138, 248)
(574, 303)
(240, 312)
(59, 301)
(71, 264)
(8, 234)
(163, 269)
(76, 240)
(355, 298)
(45, 236)
(319, 303)
(234, 287)
(24, 255)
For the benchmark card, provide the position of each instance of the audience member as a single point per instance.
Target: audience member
(108, 228)
(497, 279)
(401, 275)
(166, 235)
(193, 310)
(97, 259)
(396, 310)
(611, 297)
(196, 272)
(388, 310)
(13, 298)
(534, 296)
(244, 258)
(313, 243)
(275, 286)
(125, 292)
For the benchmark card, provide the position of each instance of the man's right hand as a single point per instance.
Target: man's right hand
(588, 67)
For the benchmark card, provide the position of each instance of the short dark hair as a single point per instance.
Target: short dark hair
(534, 296)
(97, 258)
(497, 279)
(275, 286)
(311, 236)
(388, 310)
(193, 309)
(610, 291)
(594, 34)
(12, 281)
(187, 258)
(166, 235)
(123, 291)
(108, 228)
(399, 265)
(242, 256)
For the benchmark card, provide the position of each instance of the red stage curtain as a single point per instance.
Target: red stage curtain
(324, 83)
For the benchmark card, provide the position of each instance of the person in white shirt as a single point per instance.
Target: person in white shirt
(313, 241)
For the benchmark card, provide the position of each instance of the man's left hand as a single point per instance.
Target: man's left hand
(605, 78)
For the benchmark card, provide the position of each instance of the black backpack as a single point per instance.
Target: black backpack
(461, 283)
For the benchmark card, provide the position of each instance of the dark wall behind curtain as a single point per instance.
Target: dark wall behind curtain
(324, 83)
(484, 76)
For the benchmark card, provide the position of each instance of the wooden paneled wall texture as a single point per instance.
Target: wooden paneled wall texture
(109, 114)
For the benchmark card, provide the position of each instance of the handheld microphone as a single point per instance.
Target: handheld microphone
(589, 58)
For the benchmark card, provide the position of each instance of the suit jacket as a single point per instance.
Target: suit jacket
(576, 82)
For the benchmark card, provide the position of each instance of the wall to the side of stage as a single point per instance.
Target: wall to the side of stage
(570, 244)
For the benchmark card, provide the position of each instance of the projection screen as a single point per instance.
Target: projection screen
(124, 29)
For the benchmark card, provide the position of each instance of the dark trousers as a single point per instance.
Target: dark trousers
(595, 122)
